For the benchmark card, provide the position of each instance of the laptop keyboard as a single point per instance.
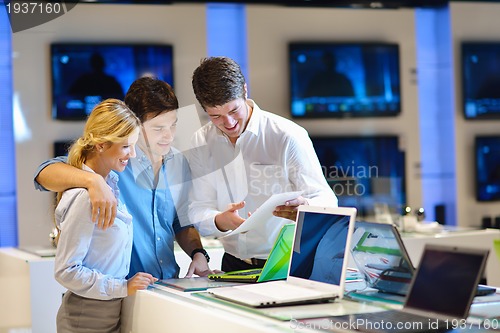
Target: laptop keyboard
(393, 321)
(252, 272)
(271, 294)
(280, 290)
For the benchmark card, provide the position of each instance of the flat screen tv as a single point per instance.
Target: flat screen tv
(364, 170)
(85, 74)
(61, 148)
(480, 67)
(344, 80)
(487, 162)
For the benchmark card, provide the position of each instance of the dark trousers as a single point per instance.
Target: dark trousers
(231, 263)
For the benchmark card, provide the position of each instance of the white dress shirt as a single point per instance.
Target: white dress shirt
(92, 262)
(273, 155)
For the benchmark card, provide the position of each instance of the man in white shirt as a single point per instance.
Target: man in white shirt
(242, 157)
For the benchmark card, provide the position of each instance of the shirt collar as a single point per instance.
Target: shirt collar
(111, 179)
(87, 168)
(142, 161)
(253, 122)
(143, 157)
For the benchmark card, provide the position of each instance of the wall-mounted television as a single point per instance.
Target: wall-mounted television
(364, 170)
(344, 80)
(85, 74)
(480, 69)
(487, 162)
(61, 148)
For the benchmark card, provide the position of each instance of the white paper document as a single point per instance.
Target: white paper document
(264, 212)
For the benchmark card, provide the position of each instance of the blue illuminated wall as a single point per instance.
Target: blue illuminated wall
(436, 111)
(8, 202)
(227, 34)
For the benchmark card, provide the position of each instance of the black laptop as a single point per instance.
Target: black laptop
(440, 294)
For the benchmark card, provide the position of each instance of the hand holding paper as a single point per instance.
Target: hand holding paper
(265, 212)
(289, 209)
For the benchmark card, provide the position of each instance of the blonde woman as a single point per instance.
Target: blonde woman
(93, 263)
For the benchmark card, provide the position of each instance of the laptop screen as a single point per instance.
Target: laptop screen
(379, 254)
(446, 280)
(319, 246)
(276, 267)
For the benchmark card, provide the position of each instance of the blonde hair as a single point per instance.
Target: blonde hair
(110, 121)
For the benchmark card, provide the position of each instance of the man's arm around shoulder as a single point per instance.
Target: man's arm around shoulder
(57, 176)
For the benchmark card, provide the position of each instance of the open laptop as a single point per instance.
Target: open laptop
(441, 292)
(380, 255)
(317, 269)
(276, 266)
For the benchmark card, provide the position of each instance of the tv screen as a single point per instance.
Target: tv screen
(61, 148)
(344, 80)
(487, 160)
(364, 171)
(85, 74)
(481, 80)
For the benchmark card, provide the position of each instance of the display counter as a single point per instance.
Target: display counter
(170, 310)
(162, 310)
(31, 296)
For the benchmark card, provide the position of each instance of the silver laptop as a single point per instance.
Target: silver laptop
(380, 255)
(317, 270)
(441, 293)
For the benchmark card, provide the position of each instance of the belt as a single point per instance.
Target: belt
(255, 261)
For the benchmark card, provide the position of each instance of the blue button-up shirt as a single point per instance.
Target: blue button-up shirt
(158, 212)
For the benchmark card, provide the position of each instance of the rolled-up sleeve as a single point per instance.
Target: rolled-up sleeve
(203, 195)
(59, 159)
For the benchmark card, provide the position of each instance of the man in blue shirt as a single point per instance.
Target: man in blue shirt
(154, 187)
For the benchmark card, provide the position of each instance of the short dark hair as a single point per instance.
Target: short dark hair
(218, 80)
(148, 97)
